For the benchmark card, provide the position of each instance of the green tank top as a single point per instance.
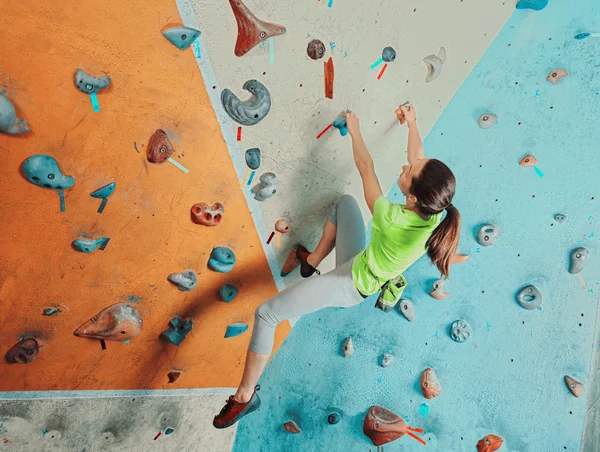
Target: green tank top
(398, 240)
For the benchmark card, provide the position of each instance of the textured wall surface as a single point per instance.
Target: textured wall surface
(508, 379)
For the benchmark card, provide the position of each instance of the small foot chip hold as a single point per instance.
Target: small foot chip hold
(460, 331)
(51, 311)
(488, 235)
(529, 297)
(576, 387)
(560, 218)
(329, 76)
(227, 292)
(160, 148)
(292, 427)
(119, 322)
(252, 111)
(173, 376)
(556, 75)
(388, 54)
(282, 226)
(52, 435)
(579, 257)
(103, 193)
(386, 360)
(438, 290)
(267, 187)
(181, 37)
(528, 160)
(487, 120)
(108, 437)
(334, 418)
(348, 347)
(434, 65)
(251, 30)
(222, 259)
(177, 330)
(89, 245)
(235, 329)
(491, 443)
(430, 386)
(88, 84)
(253, 158)
(202, 213)
(9, 123)
(383, 426)
(536, 5)
(315, 49)
(186, 280)
(407, 309)
(23, 352)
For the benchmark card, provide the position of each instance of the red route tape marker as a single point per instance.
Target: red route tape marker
(270, 237)
(324, 130)
(156, 437)
(239, 134)
(382, 71)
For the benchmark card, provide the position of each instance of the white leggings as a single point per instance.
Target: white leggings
(333, 289)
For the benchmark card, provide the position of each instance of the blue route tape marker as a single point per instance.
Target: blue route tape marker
(61, 197)
(424, 410)
(251, 177)
(197, 48)
(377, 63)
(179, 165)
(590, 218)
(271, 51)
(95, 104)
(538, 171)
(436, 335)
(330, 3)
(489, 327)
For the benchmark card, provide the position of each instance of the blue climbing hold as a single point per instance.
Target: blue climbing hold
(227, 292)
(43, 171)
(536, 5)
(89, 245)
(334, 418)
(340, 124)
(582, 36)
(235, 329)
(178, 330)
(103, 193)
(169, 430)
(221, 260)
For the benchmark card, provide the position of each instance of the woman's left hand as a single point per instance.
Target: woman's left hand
(352, 123)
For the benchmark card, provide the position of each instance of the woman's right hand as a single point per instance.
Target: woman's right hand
(352, 123)
(406, 113)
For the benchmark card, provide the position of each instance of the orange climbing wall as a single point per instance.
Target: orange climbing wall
(154, 85)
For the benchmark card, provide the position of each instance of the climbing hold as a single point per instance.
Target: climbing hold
(315, 49)
(438, 290)
(292, 427)
(252, 111)
(491, 443)
(460, 331)
(51, 311)
(52, 435)
(251, 30)
(579, 257)
(348, 347)
(576, 387)
(434, 65)
(185, 281)
(207, 215)
(181, 37)
(119, 322)
(227, 292)
(488, 235)
(386, 360)
(407, 309)
(329, 75)
(334, 418)
(23, 352)
(177, 330)
(430, 386)
(460, 258)
(88, 84)
(108, 437)
(487, 120)
(221, 260)
(383, 426)
(9, 123)
(388, 55)
(556, 75)
(560, 218)
(89, 245)
(169, 430)
(160, 148)
(43, 171)
(536, 5)
(528, 160)
(267, 187)
(103, 193)
(340, 124)
(235, 329)
(253, 158)
(582, 36)
(282, 226)
(530, 297)
(173, 375)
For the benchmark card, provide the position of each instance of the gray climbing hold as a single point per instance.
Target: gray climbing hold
(9, 123)
(253, 158)
(407, 309)
(181, 37)
(488, 235)
(252, 111)
(52, 435)
(529, 297)
(460, 331)
(388, 55)
(334, 418)
(108, 437)
(348, 347)
(185, 281)
(579, 257)
(434, 65)
(560, 218)
(386, 360)
(88, 84)
(267, 187)
(438, 290)
(487, 120)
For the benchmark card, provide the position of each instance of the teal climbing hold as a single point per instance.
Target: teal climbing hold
(181, 37)
(221, 260)
(536, 5)
(235, 329)
(89, 245)
(227, 292)
(340, 124)
(103, 193)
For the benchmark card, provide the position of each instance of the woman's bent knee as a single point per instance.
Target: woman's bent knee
(264, 314)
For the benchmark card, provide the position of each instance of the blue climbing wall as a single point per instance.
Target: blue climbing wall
(508, 379)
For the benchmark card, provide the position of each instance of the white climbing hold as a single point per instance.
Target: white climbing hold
(407, 309)
(434, 65)
(348, 347)
(387, 360)
(487, 120)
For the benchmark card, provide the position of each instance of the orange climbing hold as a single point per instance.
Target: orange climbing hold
(251, 30)
(490, 443)
(528, 160)
(292, 427)
(329, 74)
(383, 426)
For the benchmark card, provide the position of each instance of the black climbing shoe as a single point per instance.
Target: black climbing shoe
(306, 270)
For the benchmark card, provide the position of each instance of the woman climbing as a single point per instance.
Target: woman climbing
(401, 234)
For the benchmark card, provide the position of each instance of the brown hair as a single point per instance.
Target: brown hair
(434, 189)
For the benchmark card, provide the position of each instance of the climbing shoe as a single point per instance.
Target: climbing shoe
(306, 270)
(233, 410)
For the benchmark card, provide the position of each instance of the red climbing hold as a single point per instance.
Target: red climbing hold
(207, 215)
(490, 443)
(329, 78)
(292, 427)
(382, 426)
(251, 30)
(160, 148)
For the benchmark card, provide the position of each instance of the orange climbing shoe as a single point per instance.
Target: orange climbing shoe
(233, 410)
